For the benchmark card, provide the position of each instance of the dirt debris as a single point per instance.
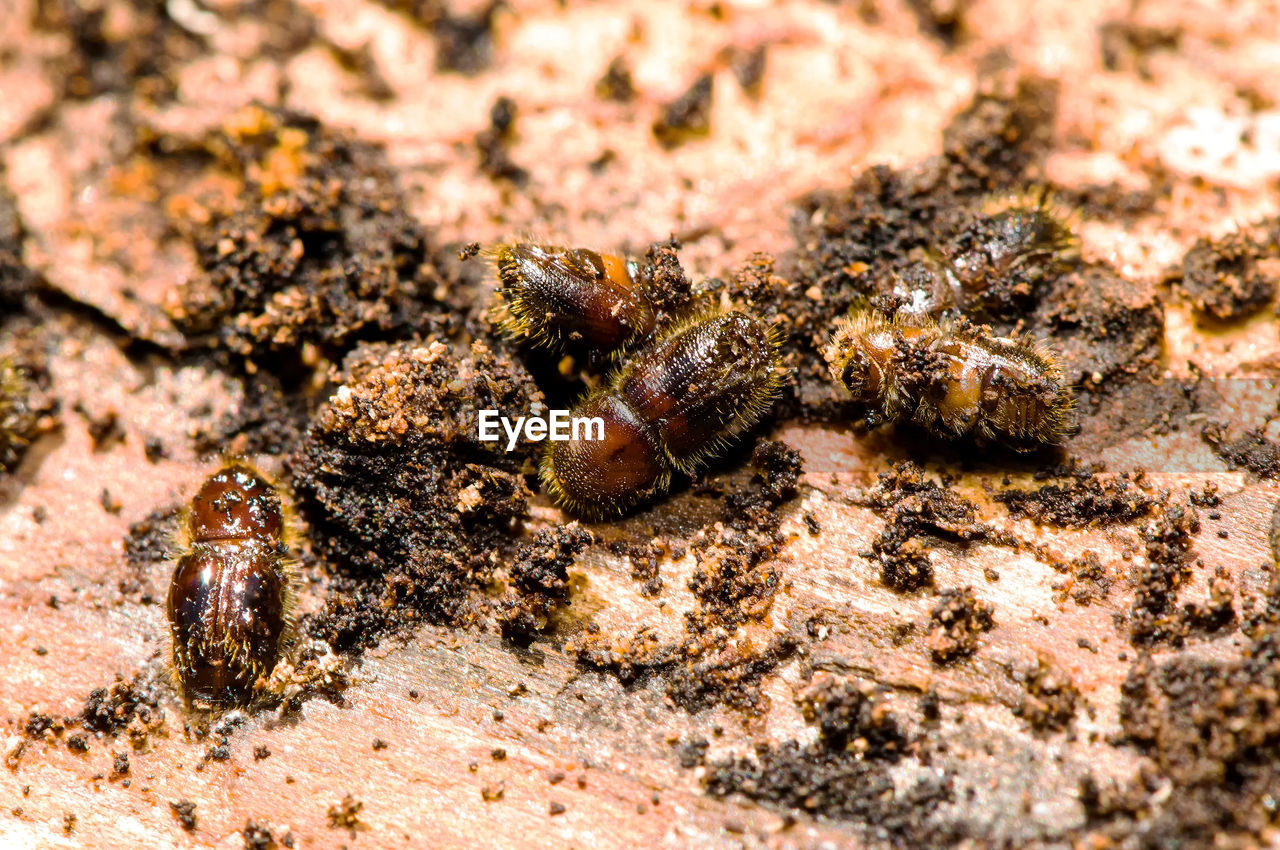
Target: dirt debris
(1086, 499)
(271, 419)
(943, 19)
(148, 544)
(646, 562)
(1252, 450)
(1127, 45)
(777, 471)
(1107, 329)
(734, 584)
(539, 578)
(1215, 614)
(184, 811)
(317, 252)
(464, 42)
(1227, 279)
(1050, 698)
(616, 83)
(845, 774)
(688, 117)
(851, 717)
(28, 404)
(121, 53)
(1089, 580)
(958, 620)
(666, 283)
(258, 836)
(16, 278)
(1210, 730)
(410, 507)
(493, 144)
(114, 709)
(920, 511)
(1168, 541)
(345, 815)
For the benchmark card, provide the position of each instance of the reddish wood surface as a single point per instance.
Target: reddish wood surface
(842, 91)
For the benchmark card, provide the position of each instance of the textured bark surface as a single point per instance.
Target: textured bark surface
(1074, 712)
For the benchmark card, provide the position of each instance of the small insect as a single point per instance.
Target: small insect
(557, 297)
(678, 402)
(953, 378)
(17, 421)
(231, 597)
(996, 265)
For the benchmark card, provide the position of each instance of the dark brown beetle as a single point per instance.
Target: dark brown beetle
(231, 597)
(954, 378)
(560, 298)
(679, 401)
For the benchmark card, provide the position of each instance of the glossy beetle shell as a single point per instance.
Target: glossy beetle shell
(564, 297)
(230, 597)
(677, 402)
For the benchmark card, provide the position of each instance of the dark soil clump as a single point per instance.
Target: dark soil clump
(16, 279)
(346, 814)
(1089, 582)
(1103, 326)
(494, 142)
(1085, 500)
(1223, 278)
(1168, 540)
(1252, 450)
(539, 578)
(118, 53)
(405, 501)
(28, 406)
(1212, 731)
(615, 83)
(920, 509)
(185, 813)
(1049, 698)
(271, 419)
(943, 19)
(958, 620)
(111, 710)
(319, 251)
(150, 539)
(845, 775)
(464, 42)
(851, 717)
(688, 117)
(258, 836)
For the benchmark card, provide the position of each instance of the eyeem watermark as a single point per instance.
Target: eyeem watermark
(557, 425)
